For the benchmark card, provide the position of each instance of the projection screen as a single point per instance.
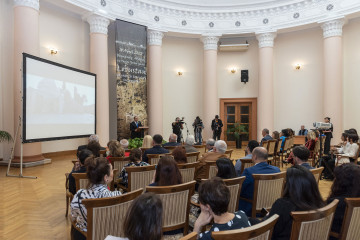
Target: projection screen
(59, 102)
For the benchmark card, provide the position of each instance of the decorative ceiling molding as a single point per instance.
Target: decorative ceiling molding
(261, 16)
(333, 28)
(266, 39)
(210, 42)
(98, 24)
(154, 37)
(27, 3)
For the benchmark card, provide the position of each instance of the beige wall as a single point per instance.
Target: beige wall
(182, 95)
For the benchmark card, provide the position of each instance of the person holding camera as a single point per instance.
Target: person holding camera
(177, 126)
(216, 126)
(198, 127)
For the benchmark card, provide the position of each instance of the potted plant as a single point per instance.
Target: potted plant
(5, 136)
(238, 130)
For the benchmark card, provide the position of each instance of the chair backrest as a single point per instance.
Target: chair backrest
(102, 153)
(118, 163)
(317, 173)
(229, 152)
(272, 147)
(192, 157)
(357, 154)
(81, 180)
(143, 149)
(267, 189)
(278, 146)
(317, 149)
(140, 177)
(350, 228)
(154, 158)
(176, 204)
(106, 215)
(314, 224)
(210, 169)
(286, 145)
(190, 236)
(170, 148)
(187, 171)
(261, 231)
(265, 145)
(234, 185)
(245, 163)
(200, 148)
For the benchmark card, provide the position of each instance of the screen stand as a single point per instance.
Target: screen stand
(21, 156)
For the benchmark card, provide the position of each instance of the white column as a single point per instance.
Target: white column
(333, 74)
(265, 103)
(26, 39)
(99, 66)
(155, 84)
(210, 94)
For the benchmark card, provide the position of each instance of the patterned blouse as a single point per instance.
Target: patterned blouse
(124, 175)
(239, 221)
(78, 210)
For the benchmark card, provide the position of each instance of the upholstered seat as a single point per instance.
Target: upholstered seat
(192, 157)
(187, 171)
(210, 169)
(317, 173)
(245, 163)
(139, 177)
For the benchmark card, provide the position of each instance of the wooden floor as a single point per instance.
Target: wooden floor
(35, 208)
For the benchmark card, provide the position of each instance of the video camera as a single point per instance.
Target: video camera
(322, 125)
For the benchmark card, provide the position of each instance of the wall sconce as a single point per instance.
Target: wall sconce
(179, 73)
(233, 70)
(53, 51)
(297, 66)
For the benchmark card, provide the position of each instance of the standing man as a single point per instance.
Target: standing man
(216, 126)
(134, 128)
(177, 126)
(303, 131)
(329, 136)
(198, 127)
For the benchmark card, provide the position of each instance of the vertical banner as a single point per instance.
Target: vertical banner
(130, 75)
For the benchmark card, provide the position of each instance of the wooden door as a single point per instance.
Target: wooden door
(238, 113)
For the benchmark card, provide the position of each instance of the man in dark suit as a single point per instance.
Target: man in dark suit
(92, 138)
(216, 126)
(156, 149)
(266, 136)
(259, 157)
(172, 141)
(134, 128)
(301, 156)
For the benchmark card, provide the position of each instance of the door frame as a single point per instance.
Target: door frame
(253, 123)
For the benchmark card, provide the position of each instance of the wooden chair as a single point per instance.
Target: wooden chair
(261, 231)
(170, 148)
(267, 189)
(210, 169)
(277, 154)
(271, 150)
(176, 205)
(350, 226)
(118, 163)
(187, 171)
(229, 152)
(315, 153)
(154, 158)
(106, 215)
(285, 149)
(245, 163)
(192, 157)
(81, 180)
(234, 185)
(143, 149)
(265, 144)
(200, 148)
(317, 173)
(314, 224)
(190, 236)
(139, 177)
(102, 153)
(69, 196)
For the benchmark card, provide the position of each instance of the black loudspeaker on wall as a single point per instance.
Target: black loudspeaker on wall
(244, 76)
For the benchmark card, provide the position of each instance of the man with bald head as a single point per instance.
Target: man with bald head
(259, 158)
(172, 141)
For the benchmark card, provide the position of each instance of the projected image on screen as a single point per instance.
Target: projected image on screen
(59, 102)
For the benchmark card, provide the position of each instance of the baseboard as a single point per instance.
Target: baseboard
(60, 154)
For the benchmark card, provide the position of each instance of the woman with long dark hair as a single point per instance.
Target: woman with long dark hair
(345, 185)
(225, 168)
(167, 173)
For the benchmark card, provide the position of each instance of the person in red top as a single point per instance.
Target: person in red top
(310, 144)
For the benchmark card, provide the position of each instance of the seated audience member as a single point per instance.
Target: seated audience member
(135, 161)
(179, 155)
(147, 142)
(249, 148)
(189, 144)
(146, 209)
(156, 149)
(303, 131)
(225, 168)
(172, 141)
(167, 173)
(115, 150)
(94, 147)
(275, 135)
(219, 152)
(283, 135)
(91, 138)
(125, 144)
(310, 145)
(210, 144)
(214, 198)
(301, 156)
(266, 136)
(301, 193)
(259, 157)
(100, 174)
(345, 185)
(84, 154)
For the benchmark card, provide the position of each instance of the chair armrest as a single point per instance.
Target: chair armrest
(246, 199)
(195, 204)
(73, 223)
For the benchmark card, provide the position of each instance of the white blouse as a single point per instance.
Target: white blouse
(78, 210)
(350, 151)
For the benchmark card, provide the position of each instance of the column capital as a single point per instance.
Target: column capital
(266, 39)
(98, 24)
(154, 37)
(210, 42)
(27, 3)
(333, 28)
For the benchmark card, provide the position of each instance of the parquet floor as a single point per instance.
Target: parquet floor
(35, 208)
